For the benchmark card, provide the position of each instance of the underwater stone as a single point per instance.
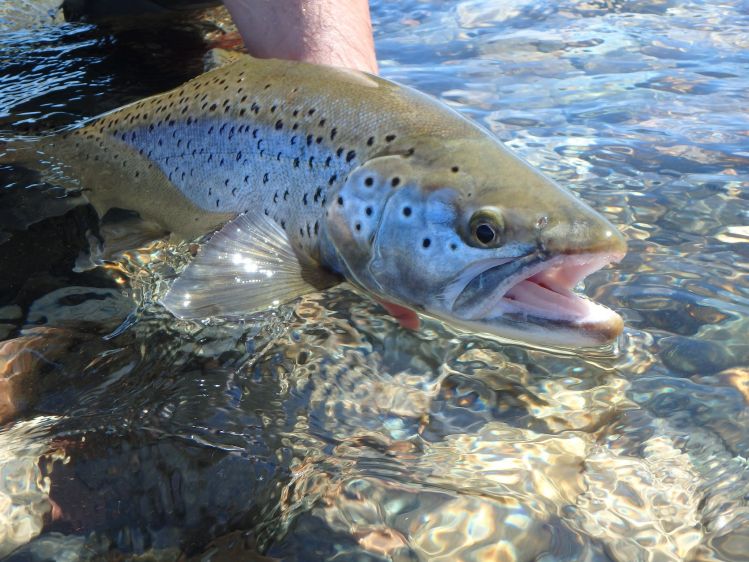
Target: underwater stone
(694, 356)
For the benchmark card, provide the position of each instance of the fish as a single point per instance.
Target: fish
(312, 175)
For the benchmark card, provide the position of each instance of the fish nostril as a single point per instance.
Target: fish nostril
(542, 222)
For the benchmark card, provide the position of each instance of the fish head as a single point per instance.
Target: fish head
(469, 233)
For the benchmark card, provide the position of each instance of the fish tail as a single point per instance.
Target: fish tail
(24, 152)
(38, 154)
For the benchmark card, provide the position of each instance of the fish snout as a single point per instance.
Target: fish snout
(588, 233)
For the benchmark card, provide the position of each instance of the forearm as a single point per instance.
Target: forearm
(332, 32)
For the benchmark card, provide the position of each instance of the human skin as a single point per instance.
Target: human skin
(331, 32)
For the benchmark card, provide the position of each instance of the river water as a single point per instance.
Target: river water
(323, 431)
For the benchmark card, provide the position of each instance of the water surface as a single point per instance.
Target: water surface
(323, 431)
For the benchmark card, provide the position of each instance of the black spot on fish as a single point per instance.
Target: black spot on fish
(221, 163)
(283, 225)
(311, 111)
(304, 199)
(137, 174)
(370, 141)
(350, 156)
(322, 122)
(295, 126)
(275, 197)
(333, 133)
(295, 113)
(311, 160)
(272, 108)
(369, 182)
(389, 138)
(226, 182)
(239, 156)
(317, 227)
(254, 133)
(339, 151)
(332, 179)
(340, 200)
(265, 177)
(234, 191)
(266, 86)
(309, 140)
(395, 181)
(318, 140)
(318, 193)
(406, 211)
(278, 156)
(301, 232)
(210, 129)
(246, 179)
(242, 111)
(279, 125)
(286, 195)
(296, 162)
(358, 226)
(327, 161)
(426, 242)
(266, 212)
(368, 211)
(293, 140)
(217, 202)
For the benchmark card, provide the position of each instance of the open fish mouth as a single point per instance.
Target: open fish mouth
(537, 291)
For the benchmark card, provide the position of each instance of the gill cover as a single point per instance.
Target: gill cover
(395, 229)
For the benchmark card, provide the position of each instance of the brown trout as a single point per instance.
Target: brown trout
(326, 173)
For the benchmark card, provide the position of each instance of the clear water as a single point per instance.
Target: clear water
(325, 432)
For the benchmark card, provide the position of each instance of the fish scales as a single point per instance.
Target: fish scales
(254, 134)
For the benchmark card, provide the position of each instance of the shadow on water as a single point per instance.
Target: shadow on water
(322, 431)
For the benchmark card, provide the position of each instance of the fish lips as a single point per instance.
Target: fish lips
(533, 295)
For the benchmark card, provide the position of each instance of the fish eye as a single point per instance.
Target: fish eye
(486, 227)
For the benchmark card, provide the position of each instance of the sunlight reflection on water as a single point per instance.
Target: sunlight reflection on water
(323, 431)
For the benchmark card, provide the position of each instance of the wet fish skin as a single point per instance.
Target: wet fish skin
(365, 177)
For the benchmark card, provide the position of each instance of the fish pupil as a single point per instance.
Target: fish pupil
(484, 233)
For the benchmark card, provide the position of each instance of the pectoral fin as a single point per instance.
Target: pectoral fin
(406, 317)
(246, 267)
